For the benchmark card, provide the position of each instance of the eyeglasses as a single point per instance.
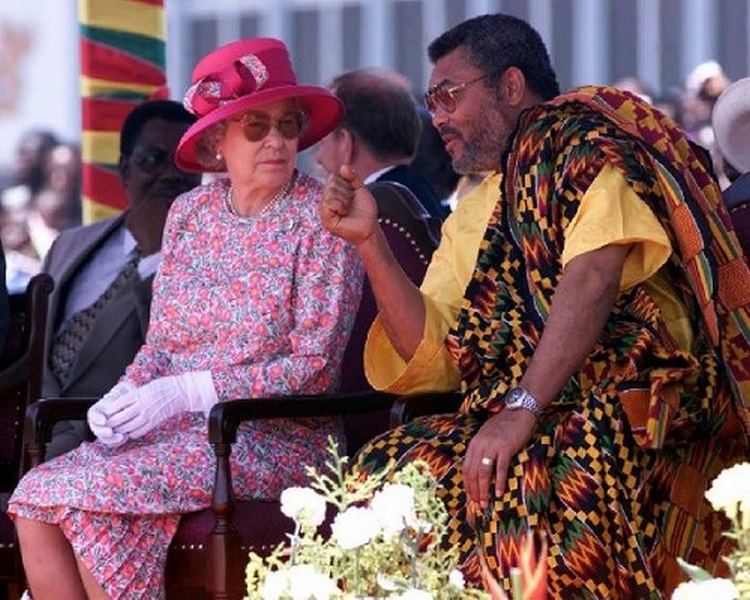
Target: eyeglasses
(151, 160)
(256, 125)
(446, 97)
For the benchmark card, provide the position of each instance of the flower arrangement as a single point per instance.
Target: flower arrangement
(385, 541)
(730, 493)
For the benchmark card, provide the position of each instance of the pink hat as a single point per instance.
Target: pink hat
(242, 75)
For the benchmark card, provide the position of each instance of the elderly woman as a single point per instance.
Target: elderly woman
(253, 297)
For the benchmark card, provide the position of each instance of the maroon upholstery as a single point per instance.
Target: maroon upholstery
(413, 236)
(21, 366)
(261, 522)
(248, 516)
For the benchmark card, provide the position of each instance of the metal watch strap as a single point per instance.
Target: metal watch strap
(525, 400)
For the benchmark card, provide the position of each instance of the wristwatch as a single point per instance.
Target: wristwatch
(518, 398)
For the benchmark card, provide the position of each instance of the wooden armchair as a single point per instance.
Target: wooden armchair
(21, 368)
(209, 551)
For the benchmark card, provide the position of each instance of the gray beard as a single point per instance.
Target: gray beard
(471, 162)
(482, 153)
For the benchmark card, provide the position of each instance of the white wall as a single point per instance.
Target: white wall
(39, 68)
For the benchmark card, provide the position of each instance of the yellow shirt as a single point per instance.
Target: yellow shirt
(610, 212)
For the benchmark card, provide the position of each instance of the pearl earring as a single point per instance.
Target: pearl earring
(219, 156)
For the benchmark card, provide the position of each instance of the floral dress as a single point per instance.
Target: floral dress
(267, 305)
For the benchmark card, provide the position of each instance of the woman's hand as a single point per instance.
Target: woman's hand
(111, 403)
(146, 407)
(348, 210)
(491, 450)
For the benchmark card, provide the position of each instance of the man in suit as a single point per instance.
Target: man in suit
(378, 135)
(4, 307)
(85, 261)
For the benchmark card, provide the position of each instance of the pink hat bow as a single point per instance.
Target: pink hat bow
(245, 75)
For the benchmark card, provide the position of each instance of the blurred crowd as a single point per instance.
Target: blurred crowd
(43, 193)
(692, 108)
(42, 198)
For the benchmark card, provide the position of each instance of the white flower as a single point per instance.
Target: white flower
(385, 583)
(730, 492)
(305, 583)
(300, 582)
(716, 589)
(357, 561)
(354, 527)
(393, 507)
(456, 579)
(304, 505)
(274, 585)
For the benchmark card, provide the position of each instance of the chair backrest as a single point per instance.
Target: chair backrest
(740, 213)
(413, 235)
(21, 367)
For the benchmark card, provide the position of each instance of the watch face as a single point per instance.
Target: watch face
(514, 397)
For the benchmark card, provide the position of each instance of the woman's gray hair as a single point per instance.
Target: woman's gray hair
(206, 148)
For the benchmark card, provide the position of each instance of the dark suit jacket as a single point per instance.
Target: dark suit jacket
(120, 328)
(738, 192)
(419, 186)
(737, 199)
(4, 308)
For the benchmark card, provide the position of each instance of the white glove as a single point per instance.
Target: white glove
(109, 404)
(146, 407)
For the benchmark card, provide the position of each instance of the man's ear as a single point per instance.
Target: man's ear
(348, 146)
(512, 86)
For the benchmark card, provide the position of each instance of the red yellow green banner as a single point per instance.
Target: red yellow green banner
(122, 64)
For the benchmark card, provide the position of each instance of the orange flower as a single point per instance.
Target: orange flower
(532, 568)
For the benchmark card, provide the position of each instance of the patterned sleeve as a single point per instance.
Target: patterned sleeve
(327, 291)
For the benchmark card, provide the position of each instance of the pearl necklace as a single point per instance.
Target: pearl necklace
(278, 197)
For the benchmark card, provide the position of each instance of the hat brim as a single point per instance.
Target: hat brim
(324, 111)
(731, 124)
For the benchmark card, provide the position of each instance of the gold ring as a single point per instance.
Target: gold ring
(487, 462)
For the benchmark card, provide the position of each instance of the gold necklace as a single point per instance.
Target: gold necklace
(278, 197)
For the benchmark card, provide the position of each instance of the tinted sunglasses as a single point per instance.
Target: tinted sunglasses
(256, 125)
(151, 160)
(446, 97)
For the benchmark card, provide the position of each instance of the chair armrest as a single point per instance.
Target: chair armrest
(226, 417)
(409, 407)
(42, 415)
(223, 422)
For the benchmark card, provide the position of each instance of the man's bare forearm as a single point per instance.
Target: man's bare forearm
(579, 310)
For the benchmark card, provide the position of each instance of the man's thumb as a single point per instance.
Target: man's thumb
(350, 175)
